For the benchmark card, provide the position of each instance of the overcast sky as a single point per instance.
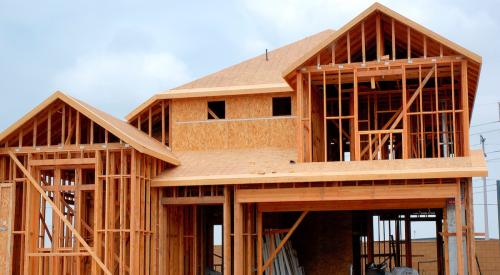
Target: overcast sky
(116, 54)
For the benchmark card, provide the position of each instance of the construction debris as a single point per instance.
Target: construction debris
(286, 262)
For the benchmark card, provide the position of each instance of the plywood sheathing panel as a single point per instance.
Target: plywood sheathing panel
(272, 165)
(5, 227)
(248, 124)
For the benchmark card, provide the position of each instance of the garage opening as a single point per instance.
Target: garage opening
(354, 242)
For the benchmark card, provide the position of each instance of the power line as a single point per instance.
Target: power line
(493, 159)
(486, 185)
(480, 192)
(485, 132)
(486, 123)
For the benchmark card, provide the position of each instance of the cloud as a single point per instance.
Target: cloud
(118, 82)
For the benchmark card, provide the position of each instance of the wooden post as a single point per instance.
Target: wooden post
(393, 37)
(300, 127)
(363, 46)
(309, 119)
(348, 47)
(259, 243)
(458, 223)
(405, 117)
(163, 134)
(356, 132)
(227, 231)
(325, 124)
(465, 107)
(408, 42)
(238, 237)
(379, 37)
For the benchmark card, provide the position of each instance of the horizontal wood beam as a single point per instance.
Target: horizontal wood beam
(351, 205)
(193, 200)
(347, 193)
(62, 162)
(66, 148)
(415, 62)
(377, 72)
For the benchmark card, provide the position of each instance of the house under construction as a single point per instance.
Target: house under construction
(314, 158)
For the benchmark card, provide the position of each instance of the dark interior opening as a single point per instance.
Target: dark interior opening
(216, 109)
(282, 106)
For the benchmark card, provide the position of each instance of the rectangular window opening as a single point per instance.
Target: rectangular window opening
(282, 106)
(216, 109)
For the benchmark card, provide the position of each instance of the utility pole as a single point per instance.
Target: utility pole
(485, 196)
(498, 111)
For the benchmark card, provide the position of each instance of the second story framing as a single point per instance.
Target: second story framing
(382, 87)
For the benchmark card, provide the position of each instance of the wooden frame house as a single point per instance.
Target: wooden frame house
(335, 144)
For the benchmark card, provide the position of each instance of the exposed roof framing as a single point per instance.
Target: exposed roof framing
(121, 129)
(377, 7)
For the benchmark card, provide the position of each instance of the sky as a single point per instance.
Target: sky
(116, 54)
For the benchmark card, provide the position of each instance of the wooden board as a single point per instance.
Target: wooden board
(274, 165)
(248, 124)
(5, 228)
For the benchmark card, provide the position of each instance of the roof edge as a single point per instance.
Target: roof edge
(91, 115)
(212, 91)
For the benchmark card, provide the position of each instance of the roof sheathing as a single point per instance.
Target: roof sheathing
(253, 76)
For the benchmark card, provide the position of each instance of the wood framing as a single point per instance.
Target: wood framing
(323, 151)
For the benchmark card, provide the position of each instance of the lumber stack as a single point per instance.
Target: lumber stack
(286, 262)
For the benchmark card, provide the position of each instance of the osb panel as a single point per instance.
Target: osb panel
(4, 228)
(246, 106)
(278, 133)
(248, 124)
(252, 106)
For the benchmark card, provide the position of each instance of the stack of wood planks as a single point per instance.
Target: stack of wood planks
(286, 262)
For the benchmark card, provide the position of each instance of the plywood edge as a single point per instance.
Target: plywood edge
(322, 176)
